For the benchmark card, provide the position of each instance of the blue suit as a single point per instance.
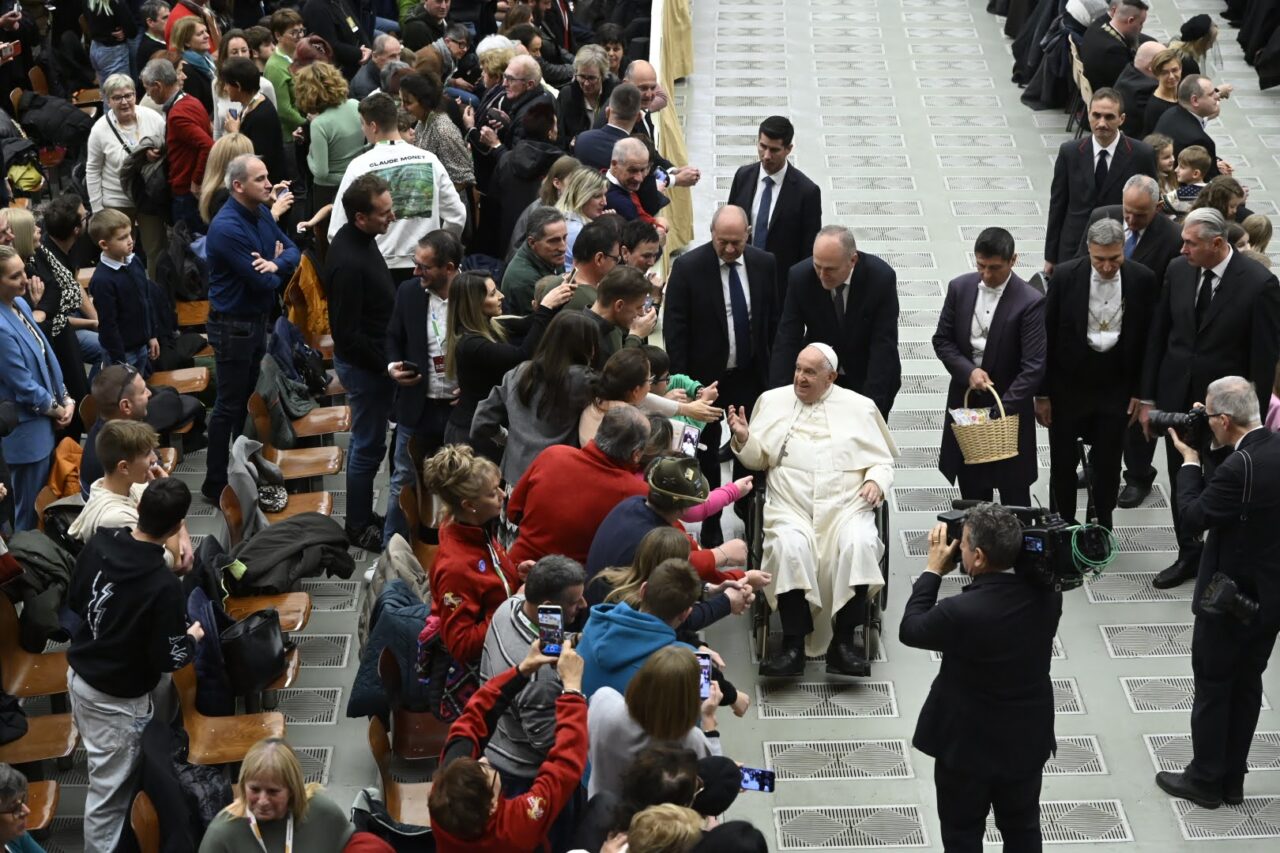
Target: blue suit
(33, 380)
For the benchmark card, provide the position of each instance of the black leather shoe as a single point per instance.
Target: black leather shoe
(843, 659)
(1233, 792)
(1180, 571)
(1178, 785)
(788, 661)
(1132, 495)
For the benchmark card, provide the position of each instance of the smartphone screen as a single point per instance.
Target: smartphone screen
(704, 674)
(550, 628)
(689, 440)
(756, 779)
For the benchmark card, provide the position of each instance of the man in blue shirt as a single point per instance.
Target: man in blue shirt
(250, 261)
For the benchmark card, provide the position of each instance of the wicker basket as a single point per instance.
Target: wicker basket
(989, 442)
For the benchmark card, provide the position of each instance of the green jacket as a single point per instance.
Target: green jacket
(691, 387)
(520, 279)
(277, 71)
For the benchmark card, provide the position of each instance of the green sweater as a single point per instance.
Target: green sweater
(336, 139)
(277, 71)
(690, 387)
(521, 276)
(324, 830)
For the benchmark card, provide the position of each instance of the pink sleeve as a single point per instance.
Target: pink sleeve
(716, 501)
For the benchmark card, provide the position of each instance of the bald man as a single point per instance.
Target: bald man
(1135, 84)
(721, 319)
(644, 77)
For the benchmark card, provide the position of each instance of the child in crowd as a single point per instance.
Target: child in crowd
(1258, 226)
(1193, 164)
(1166, 163)
(122, 294)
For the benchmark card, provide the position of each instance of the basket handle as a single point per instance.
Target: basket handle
(992, 389)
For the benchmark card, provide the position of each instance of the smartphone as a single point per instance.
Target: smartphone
(550, 628)
(10, 50)
(704, 674)
(756, 779)
(648, 304)
(410, 367)
(660, 176)
(689, 440)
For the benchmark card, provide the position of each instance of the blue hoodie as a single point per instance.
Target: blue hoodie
(616, 643)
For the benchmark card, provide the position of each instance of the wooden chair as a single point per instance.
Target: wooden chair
(49, 736)
(145, 823)
(193, 314)
(294, 608)
(186, 380)
(426, 553)
(415, 735)
(1083, 87)
(406, 802)
(321, 502)
(42, 799)
(15, 97)
(26, 674)
(296, 302)
(220, 740)
(88, 100)
(44, 497)
(36, 77)
(321, 421)
(297, 464)
(84, 275)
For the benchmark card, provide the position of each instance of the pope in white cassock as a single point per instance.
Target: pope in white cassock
(829, 457)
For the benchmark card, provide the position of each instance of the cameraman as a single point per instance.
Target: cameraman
(988, 720)
(1239, 506)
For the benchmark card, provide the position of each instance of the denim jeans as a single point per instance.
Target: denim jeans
(108, 60)
(369, 395)
(431, 433)
(140, 360)
(91, 348)
(239, 343)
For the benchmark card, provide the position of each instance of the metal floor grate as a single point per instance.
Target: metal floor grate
(1160, 640)
(1256, 817)
(860, 121)
(1160, 693)
(917, 419)
(925, 383)
(863, 161)
(919, 318)
(919, 350)
(972, 140)
(873, 140)
(1020, 233)
(849, 827)
(1066, 696)
(878, 208)
(1010, 162)
(909, 260)
(310, 706)
(315, 761)
(328, 651)
(1132, 588)
(919, 288)
(1075, 822)
(66, 835)
(860, 183)
(916, 458)
(839, 759)
(332, 596)
(893, 233)
(1147, 539)
(1077, 755)
(825, 700)
(1172, 752)
(924, 499)
(78, 774)
(984, 102)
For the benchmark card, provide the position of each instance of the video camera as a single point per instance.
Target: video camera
(1054, 553)
(1192, 427)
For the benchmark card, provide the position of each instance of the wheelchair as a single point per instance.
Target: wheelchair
(762, 615)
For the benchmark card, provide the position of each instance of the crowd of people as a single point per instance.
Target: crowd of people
(475, 193)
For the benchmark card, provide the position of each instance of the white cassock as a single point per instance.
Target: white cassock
(819, 533)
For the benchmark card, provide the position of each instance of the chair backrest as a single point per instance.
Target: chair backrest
(229, 503)
(39, 84)
(184, 681)
(409, 509)
(15, 97)
(10, 650)
(193, 313)
(88, 411)
(261, 423)
(44, 497)
(379, 747)
(145, 823)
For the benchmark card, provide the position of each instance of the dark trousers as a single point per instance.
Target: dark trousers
(964, 801)
(1104, 433)
(1189, 545)
(239, 343)
(1013, 492)
(1138, 455)
(1227, 660)
(738, 387)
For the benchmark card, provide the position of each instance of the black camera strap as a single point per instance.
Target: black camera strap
(1247, 494)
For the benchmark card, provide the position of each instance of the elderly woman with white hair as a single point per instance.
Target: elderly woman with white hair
(581, 101)
(122, 130)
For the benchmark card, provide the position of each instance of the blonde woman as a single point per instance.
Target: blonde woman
(664, 828)
(336, 137)
(275, 811)
(581, 201)
(213, 190)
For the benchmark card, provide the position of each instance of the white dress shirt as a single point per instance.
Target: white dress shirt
(728, 306)
(1106, 308)
(1218, 272)
(984, 308)
(759, 211)
(1110, 149)
(439, 386)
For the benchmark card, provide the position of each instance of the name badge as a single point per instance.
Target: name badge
(351, 22)
(437, 362)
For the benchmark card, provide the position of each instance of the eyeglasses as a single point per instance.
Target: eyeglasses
(511, 78)
(657, 380)
(18, 809)
(122, 97)
(1209, 414)
(129, 372)
(586, 78)
(296, 32)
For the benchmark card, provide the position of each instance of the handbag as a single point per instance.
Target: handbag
(254, 651)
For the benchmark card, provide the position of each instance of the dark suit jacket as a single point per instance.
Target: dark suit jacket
(867, 343)
(1160, 242)
(1067, 378)
(1184, 128)
(1240, 335)
(696, 326)
(1073, 196)
(1104, 53)
(1136, 88)
(989, 712)
(1014, 359)
(619, 201)
(796, 216)
(1239, 545)
(594, 148)
(406, 341)
(571, 106)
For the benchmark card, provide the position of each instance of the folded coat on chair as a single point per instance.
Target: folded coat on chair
(304, 546)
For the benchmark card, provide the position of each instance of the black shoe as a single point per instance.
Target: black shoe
(847, 656)
(1233, 792)
(1182, 570)
(1178, 785)
(212, 491)
(368, 539)
(788, 661)
(1133, 494)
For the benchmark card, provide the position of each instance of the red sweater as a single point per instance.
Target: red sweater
(466, 587)
(187, 138)
(177, 13)
(520, 823)
(563, 497)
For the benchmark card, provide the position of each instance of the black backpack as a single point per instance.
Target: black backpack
(180, 271)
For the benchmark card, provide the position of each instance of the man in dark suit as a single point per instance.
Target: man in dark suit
(848, 300)
(784, 206)
(628, 171)
(594, 148)
(1152, 241)
(1219, 315)
(1135, 84)
(1198, 102)
(1096, 318)
(522, 88)
(1089, 173)
(719, 325)
(1239, 507)
(988, 720)
(1109, 42)
(990, 335)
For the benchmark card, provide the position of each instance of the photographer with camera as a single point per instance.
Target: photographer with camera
(1237, 597)
(988, 720)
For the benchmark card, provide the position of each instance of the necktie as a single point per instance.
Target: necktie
(837, 299)
(641, 213)
(564, 17)
(1100, 173)
(1204, 297)
(741, 317)
(1131, 243)
(762, 218)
